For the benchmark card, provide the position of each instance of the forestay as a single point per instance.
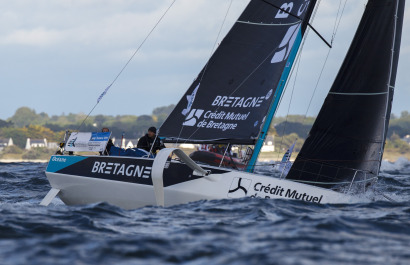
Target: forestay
(347, 139)
(229, 100)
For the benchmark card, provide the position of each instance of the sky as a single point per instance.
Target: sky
(57, 57)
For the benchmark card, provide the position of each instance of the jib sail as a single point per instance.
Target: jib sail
(347, 139)
(229, 100)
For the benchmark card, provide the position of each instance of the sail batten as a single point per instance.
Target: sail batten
(349, 133)
(270, 24)
(229, 100)
(359, 94)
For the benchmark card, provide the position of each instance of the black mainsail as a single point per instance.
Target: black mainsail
(229, 100)
(347, 139)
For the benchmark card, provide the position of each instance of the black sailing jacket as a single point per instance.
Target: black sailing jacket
(145, 142)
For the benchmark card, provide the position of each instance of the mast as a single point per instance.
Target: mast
(390, 86)
(275, 103)
(279, 90)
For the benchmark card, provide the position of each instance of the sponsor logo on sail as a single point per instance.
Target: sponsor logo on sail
(238, 102)
(193, 117)
(220, 119)
(72, 142)
(284, 10)
(286, 45)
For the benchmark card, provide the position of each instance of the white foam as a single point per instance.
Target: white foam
(398, 165)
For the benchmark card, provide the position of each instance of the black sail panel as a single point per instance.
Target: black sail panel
(348, 136)
(230, 97)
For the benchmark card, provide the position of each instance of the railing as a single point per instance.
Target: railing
(330, 176)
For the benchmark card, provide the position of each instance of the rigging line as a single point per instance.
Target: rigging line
(326, 162)
(290, 103)
(324, 64)
(340, 19)
(385, 196)
(155, 139)
(226, 149)
(297, 17)
(337, 16)
(129, 60)
(216, 40)
(243, 82)
(317, 84)
(323, 162)
(298, 59)
(315, 10)
(212, 51)
(283, 10)
(331, 183)
(240, 85)
(305, 37)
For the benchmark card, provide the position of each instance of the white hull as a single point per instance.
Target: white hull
(75, 189)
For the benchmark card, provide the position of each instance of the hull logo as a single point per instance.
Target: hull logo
(239, 187)
(120, 169)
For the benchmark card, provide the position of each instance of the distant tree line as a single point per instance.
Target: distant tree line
(26, 123)
(301, 126)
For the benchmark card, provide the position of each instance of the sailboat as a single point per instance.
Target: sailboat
(233, 101)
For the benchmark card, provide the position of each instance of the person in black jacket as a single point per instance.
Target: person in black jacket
(147, 143)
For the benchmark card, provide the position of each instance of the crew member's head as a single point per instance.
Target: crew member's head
(105, 129)
(152, 131)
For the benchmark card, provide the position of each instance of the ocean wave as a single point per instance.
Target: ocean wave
(229, 231)
(401, 165)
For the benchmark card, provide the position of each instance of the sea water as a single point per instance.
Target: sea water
(242, 231)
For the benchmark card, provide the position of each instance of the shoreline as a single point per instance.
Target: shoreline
(23, 160)
(265, 157)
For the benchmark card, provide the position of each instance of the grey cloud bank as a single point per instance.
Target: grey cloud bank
(58, 56)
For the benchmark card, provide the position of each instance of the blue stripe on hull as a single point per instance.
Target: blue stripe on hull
(57, 163)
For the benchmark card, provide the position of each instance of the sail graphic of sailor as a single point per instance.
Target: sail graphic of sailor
(190, 99)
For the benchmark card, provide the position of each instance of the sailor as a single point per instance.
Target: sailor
(109, 144)
(218, 148)
(150, 141)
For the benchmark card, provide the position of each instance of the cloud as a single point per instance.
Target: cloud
(37, 37)
(103, 23)
(80, 45)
